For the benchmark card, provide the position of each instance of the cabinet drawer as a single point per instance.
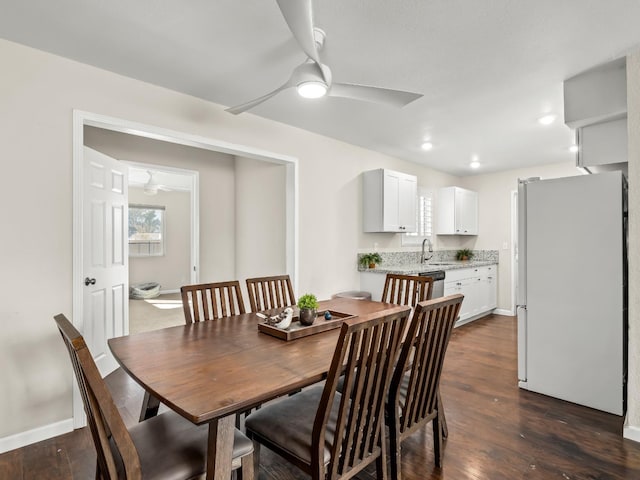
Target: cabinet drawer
(460, 273)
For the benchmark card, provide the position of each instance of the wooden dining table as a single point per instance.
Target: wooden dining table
(209, 371)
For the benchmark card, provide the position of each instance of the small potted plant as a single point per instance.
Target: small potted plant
(370, 259)
(464, 254)
(308, 305)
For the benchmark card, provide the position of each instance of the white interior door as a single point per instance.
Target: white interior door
(105, 254)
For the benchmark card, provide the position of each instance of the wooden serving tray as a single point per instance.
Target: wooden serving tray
(296, 330)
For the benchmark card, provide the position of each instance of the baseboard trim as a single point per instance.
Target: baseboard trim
(39, 434)
(164, 292)
(631, 433)
(503, 311)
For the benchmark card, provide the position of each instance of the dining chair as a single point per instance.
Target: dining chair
(163, 447)
(414, 396)
(266, 293)
(327, 434)
(406, 289)
(210, 301)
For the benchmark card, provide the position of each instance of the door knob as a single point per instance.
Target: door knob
(89, 281)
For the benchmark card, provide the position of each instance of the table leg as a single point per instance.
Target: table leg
(220, 448)
(150, 406)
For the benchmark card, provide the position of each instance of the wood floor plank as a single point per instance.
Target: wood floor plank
(496, 430)
(11, 464)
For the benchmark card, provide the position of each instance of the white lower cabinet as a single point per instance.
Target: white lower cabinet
(479, 287)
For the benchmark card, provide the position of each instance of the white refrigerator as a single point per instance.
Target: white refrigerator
(572, 295)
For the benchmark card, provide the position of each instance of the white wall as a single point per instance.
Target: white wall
(632, 429)
(171, 270)
(494, 215)
(260, 219)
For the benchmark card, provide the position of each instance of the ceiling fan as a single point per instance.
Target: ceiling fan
(152, 188)
(313, 78)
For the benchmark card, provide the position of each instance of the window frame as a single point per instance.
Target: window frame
(415, 238)
(163, 229)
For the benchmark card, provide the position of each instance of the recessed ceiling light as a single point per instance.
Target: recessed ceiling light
(312, 89)
(573, 148)
(475, 162)
(427, 146)
(547, 119)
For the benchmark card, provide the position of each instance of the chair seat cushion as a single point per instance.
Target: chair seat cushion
(288, 423)
(171, 447)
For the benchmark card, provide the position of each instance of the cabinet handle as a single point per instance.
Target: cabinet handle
(490, 278)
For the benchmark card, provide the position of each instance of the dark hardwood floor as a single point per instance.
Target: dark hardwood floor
(496, 431)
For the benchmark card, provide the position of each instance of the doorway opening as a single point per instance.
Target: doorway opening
(85, 119)
(163, 242)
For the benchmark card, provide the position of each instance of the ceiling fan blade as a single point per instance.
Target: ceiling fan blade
(386, 96)
(306, 71)
(299, 16)
(246, 106)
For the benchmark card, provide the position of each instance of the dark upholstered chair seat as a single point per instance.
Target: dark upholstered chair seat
(188, 455)
(288, 423)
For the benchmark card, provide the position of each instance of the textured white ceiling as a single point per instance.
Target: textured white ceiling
(487, 68)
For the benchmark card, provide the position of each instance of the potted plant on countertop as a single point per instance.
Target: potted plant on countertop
(464, 254)
(370, 259)
(308, 305)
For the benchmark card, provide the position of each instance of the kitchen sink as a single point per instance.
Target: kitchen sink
(440, 263)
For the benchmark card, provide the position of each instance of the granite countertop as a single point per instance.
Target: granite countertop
(414, 268)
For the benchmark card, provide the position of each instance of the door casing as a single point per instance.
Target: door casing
(83, 118)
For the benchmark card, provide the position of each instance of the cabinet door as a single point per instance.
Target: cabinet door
(399, 202)
(466, 212)
(471, 288)
(390, 201)
(460, 286)
(492, 289)
(407, 195)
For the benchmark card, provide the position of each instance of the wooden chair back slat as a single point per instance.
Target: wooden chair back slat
(105, 423)
(407, 289)
(421, 360)
(266, 293)
(210, 301)
(367, 349)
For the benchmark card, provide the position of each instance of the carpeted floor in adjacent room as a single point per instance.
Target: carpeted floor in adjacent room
(155, 313)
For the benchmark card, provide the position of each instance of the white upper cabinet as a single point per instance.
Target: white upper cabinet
(389, 201)
(457, 211)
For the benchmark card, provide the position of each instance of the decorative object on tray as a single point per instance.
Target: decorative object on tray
(327, 315)
(308, 305)
(282, 320)
(370, 259)
(464, 254)
(297, 330)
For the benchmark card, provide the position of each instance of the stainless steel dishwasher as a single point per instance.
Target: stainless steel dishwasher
(438, 282)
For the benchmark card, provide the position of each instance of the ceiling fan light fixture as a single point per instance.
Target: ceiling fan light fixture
(312, 89)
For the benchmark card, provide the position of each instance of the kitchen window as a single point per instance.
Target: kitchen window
(424, 219)
(146, 230)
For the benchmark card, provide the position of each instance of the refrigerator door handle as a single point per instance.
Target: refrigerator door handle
(522, 345)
